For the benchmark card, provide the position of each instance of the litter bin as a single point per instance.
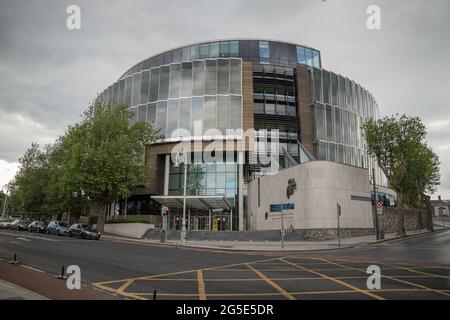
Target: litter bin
(163, 235)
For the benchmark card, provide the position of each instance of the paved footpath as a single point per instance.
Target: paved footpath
(270, 246)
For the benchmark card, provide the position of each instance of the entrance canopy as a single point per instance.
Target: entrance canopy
(194, 202)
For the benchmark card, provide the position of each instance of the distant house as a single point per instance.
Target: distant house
(441, 207)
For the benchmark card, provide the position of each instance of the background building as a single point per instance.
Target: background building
(231, 87)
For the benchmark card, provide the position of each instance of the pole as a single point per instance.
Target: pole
(377, 230)
(282, 228)
(338, 225)
(126, 207)
(183, 223)
(231, 219)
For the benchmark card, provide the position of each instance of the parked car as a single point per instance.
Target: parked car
(37, 226)
(19, 224)
(6, 224)
(60, 228)
(84, 231)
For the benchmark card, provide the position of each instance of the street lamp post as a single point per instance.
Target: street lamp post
(4, 205)
(182, 158)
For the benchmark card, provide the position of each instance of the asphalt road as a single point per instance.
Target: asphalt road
(417, 268)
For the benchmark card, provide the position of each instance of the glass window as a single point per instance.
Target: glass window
(270, 108)
(209, 114)
(199, 78)
(222, 114)
(204, 50)
(214, 50)
(136, 97)
(142, 113)
(235, 76)
(177, 55)
(186, 54)
(309, 57)
(172, 119)
(234, 48)
(211, 77)
(220, 180)
(197, 117)
(323, 146)
(116, 92)
(185, 114)
(122, 91)
(317, 85)
(301, 55)
(331, 152)
(175, 80)
(164, 83)
(341, 85)
(316, 59)
(128, 90)
(145, 85)
(334, 89)
(154, 85)
(340, 153)
(258, 107)
(195, 51)
(161, 116)
(224, 49)
(151, 114)
(281, 109)
(330, 123)
(345, 125)
(223, 76)
(235, 112)
(264, 52)
(186, 79)
(320, 122)
(326, 86)
(338, 127)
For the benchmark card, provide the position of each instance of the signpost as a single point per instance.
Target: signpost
(339, 212)
(379, 207)
(280, 208)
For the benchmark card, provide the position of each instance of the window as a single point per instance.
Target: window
(214, 50)
(197, 117)
(326, 86)
(164, 83)
(320, 122)
(224, 49)
(186, 79)
(316, 59)
(185, 114)
(136, 97)
(121, 99)
(172, 119)
(338, 127)
(222, 114)
(234, 48)
(209, 115)
(317, 85)
(161, 116)
(151, 114)
(235, 112)
(128, 90)
(186, 54)
(223, 77)
(323, 146)
(340, 153)
(204, 50)
(264, 52)
(199, 78)
(309, 57)
(211, 77)
(175, 80)
(334, 89)
(154, 85)
(145, 84)
(330, 123)
(235, 76)
(301, 55)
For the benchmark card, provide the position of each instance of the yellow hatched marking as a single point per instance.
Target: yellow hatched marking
(201, 285)
(334, 280)
(393, 278)
(273, 284)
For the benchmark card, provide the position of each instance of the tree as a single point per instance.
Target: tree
(398, 145)
(105, 155)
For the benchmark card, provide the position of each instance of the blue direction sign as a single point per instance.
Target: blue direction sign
(277, 207)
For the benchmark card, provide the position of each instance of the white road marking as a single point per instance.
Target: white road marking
(28, 237)
(23, 238)
(31, 268)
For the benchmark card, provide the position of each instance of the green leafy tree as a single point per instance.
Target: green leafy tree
(398, 145)
(105, 155)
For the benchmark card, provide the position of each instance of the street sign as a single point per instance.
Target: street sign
(277, 207)
(379, 205)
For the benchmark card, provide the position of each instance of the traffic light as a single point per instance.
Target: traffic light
(339, 209)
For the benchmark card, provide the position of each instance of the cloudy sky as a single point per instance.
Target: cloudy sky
(49, 74)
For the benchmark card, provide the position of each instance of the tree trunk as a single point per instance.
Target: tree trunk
(101, 218)
(429, 212)
(400, 225)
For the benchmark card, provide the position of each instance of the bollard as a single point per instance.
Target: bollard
(14, 260)
(62, 276)
(154, 294)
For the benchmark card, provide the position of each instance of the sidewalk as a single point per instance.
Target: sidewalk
(276, 245)
(10, 291)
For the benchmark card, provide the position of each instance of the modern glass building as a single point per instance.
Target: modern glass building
(263, 99)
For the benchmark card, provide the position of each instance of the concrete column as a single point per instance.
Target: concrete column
(241, 190)
(189, 220)
(231, 219)
(210, 220)
(166, 175)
